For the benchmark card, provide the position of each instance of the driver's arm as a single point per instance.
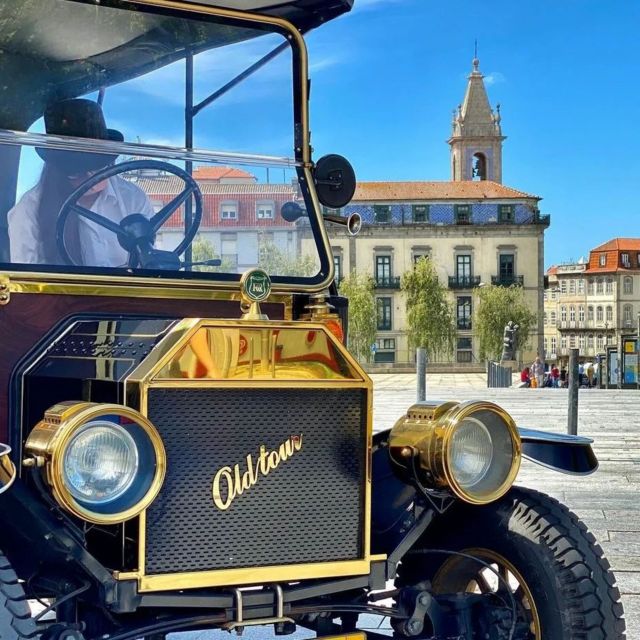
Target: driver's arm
(24, 245)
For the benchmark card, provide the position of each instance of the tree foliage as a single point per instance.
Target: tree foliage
(202, 250)
(277, 262)
(496, 306)
(430, 313)
(358, 288)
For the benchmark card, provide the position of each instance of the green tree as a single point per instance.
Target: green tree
(430, 314)
(496, 306)
(202, 250)
(277, 262)
(358, 288)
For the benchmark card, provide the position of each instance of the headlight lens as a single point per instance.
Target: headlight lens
(100, 462)
(471, 452)
(105, 463)
(483, 453)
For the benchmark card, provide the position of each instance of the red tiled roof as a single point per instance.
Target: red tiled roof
(218, 173)
(172, 185)
(552, 270)
(458, 190)
(613, 261)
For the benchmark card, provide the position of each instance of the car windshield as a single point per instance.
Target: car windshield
(138, 142)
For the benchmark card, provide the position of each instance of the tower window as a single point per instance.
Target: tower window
(479, 166)
(420, 212)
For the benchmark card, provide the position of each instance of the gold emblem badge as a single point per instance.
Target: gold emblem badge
(229, 483)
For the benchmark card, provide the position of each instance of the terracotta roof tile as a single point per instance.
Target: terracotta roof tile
(458, 190)
(218, 173)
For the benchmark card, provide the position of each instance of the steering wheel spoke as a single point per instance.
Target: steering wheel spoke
(98, 219)
(170, 208)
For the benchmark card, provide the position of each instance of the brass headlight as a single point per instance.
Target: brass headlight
(104, 463)
(7, 468)
(472, 448)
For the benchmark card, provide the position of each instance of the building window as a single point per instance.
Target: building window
(608, 286)
(572, 341)
(603, 260)
(383, 269)
(384, 314)
(462, 213)
(337, 264)
(600, 342)
(420, 212)
(382, 213)
(554, 344)
(563, 342)
(590, 341)
(589, 287)
(609, 314)
(581, 313)
(507, 266)
(505, 213)
(590, 313)
(464, 313)
(599, 286)
(581, 342)
(572, 313)
(581, 286)
(553, 317)
(624, 259)
(546, 347)
(463, 267)
(599, 316)
(386, 351)
(264, 210)
(229, 249)
(229, 211)
(464, 352)
(563, 287)
(628, 315)
(545, 317)
(627, 285)
(563, 314)
(572, 287)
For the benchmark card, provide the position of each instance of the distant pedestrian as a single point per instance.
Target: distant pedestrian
(537, 372)
(563, 377)
(525, 378)
(590, 375)
(580, 374)
(555, 376)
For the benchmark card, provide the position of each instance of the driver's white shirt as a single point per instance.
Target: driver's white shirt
(99, 246)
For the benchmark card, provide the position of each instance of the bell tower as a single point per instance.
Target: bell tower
(476, 138)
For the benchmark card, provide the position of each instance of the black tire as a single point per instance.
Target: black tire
(15, 616)
(559, 560)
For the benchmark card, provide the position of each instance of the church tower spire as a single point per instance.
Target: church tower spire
(476, 138)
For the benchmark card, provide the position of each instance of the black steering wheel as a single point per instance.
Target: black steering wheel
(136, 233)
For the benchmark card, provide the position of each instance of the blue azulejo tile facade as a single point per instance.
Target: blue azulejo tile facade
(446, 213)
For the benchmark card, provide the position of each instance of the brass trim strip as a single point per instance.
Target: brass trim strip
(247, 575)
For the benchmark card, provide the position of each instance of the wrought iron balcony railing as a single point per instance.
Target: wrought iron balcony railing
(388, 283)
(463, 282)
(507, 281)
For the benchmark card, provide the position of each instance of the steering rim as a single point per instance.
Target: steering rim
(135, 230)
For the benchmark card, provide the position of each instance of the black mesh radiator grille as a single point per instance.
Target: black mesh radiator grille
(308, 509)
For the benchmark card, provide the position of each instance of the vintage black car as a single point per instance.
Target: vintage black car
(186, 441)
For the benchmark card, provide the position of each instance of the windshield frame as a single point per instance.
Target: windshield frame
(122, 278)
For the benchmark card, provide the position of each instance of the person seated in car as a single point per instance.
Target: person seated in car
(32, 221)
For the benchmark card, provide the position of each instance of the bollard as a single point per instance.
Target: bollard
(421, 374)
(572, 426)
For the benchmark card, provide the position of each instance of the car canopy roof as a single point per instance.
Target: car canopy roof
(52, 50)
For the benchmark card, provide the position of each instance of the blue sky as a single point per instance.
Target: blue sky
(565, 73)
